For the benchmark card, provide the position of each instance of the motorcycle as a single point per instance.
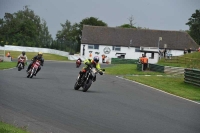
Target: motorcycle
(86, 80)
(78, 63)
(20, 64)
(32, 71)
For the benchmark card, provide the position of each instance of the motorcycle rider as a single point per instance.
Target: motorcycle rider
(94, 63)
(37, 57)
(23, 56)
(79, 59)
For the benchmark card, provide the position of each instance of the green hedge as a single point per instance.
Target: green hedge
(123, 61)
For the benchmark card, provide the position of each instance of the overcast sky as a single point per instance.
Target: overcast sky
(152, 14)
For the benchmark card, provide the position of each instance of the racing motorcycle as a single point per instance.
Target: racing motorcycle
(78, 63)
(20, 64)
(86, 80)
(32, 71)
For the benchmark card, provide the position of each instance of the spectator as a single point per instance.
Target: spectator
(199, 49)
(90, 55)
(189, 50)
(8, 55)
(141, 59)
(103, 58)
(164, 52)
(185, 51)
(145, 62)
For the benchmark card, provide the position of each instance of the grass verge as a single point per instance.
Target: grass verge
(6, 65)
(171, 84)
(46, 56)
(6, 128)
(128, 69)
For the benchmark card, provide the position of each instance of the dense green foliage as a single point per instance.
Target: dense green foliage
(69, 38)
(194, 24)
(24, 28)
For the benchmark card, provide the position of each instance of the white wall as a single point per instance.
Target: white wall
(34, 49)
(130, 53)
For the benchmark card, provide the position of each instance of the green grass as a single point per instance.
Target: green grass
(46, 56)
(30, 55)
(6, 65)
(128, 69)
(171, 84)
(6, 128)
(191, 60)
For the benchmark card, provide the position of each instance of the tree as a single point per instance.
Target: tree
(87, 21)
(65, 37)
(194, 24)
(126, 26)
(24, 28)
(130, 25)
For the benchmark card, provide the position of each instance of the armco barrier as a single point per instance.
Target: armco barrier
(156, 68)
(123, 61)
(192, 76)
(139, 67)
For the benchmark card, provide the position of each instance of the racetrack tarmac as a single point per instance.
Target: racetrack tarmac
(48, 103)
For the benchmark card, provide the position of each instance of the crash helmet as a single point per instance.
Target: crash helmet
(40, 54)
(23, 53)
(96, 59)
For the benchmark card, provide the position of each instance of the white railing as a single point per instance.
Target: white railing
(34, 49)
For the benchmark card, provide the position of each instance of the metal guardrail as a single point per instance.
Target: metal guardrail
(156, 68)
(139, 67)
(192, 76)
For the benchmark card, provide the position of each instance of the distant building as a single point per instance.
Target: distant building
(132, 43)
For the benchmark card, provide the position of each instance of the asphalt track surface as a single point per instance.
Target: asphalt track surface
(48, 103)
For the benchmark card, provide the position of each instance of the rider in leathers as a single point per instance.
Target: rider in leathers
(93, 63)
(37, 57)
(23, 55)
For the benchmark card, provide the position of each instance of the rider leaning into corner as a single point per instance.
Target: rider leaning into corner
(23, 55)
(37, 57)
(89, 62)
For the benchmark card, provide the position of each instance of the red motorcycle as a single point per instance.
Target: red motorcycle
(32, 71)
(21, 63)
(78, 63)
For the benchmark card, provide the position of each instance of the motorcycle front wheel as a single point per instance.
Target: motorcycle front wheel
(19, 67)
(32, 72)
(87, 85)
(76, 86)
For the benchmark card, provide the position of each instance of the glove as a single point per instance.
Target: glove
(101, 73)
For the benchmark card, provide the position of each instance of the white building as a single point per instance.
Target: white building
(132, 43)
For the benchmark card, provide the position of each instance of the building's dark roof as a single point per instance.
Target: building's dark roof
(140, 37)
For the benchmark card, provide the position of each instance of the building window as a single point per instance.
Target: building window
(96, 46)
(93, 46)
(152, 56)
(116, 48)
(90, 46)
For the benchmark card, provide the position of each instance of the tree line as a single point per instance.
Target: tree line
(25, 28)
